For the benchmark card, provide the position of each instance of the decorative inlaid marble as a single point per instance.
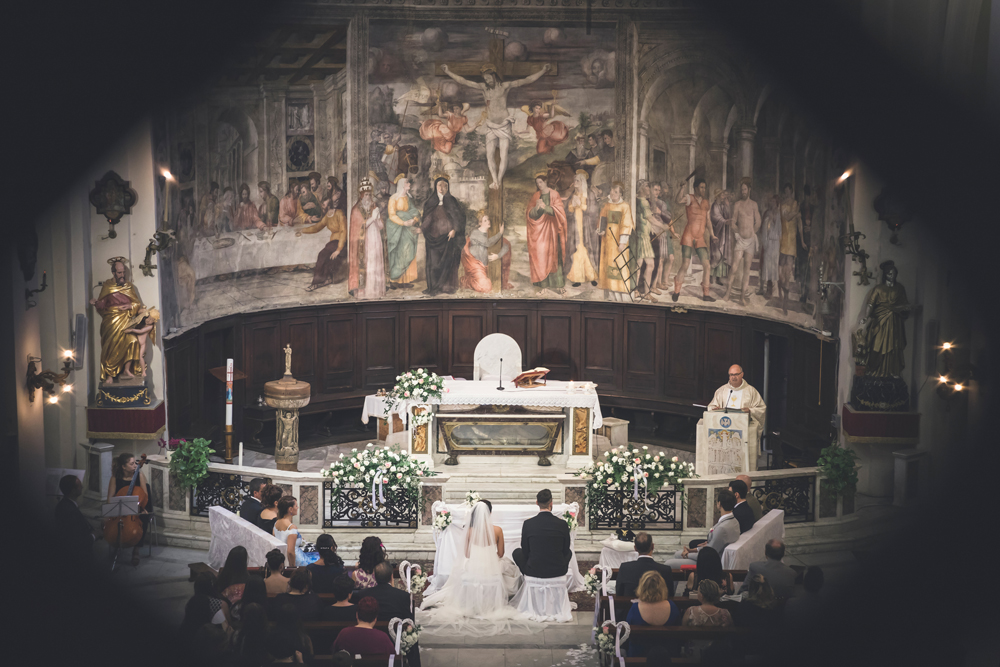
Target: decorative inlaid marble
(827, 500)
(309, 504)
(431, 494)
(577, 494)
(696, 507)
(156, 487)
(176, 496)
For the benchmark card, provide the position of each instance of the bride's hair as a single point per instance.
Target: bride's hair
(488, 504)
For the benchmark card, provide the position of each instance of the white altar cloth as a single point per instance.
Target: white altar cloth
(510, 518)
(555, 394)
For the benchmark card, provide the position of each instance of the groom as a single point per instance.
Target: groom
(545, 551)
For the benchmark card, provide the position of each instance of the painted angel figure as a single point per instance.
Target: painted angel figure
(443, 130)
(548, 132)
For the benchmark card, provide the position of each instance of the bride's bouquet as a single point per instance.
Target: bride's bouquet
(411, 635)
(442, 519)
(592, 582)
(570, 520)
(471, 498)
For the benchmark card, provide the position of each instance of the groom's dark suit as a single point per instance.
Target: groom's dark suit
(544, 551)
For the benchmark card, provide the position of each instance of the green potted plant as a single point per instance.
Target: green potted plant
(839, 467)
(189, 462)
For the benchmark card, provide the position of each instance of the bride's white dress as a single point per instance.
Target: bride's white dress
(474, 600)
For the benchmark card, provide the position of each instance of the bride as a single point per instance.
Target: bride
(474, 599)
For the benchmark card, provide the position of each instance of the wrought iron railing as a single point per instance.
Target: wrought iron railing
(219, 488)
(352, 506)
(619, 509)
(795, 495)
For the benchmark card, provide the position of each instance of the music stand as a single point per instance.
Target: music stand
(118, 508)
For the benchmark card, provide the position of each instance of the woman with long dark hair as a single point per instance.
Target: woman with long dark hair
(328, 567)
(233, 576)
(709, 568)
(269, 497)
(253, 593)
(287, 532)
(122, 469)
(372, 553)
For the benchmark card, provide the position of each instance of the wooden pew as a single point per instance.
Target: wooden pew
(365, 660)
(323, 633)
(682, 575)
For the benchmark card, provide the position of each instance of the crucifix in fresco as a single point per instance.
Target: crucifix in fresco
(499, 119)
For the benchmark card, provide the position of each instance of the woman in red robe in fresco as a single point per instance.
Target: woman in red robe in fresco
(442, 133)
(550, 133)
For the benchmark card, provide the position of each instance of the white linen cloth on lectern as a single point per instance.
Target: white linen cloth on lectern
(510, 518)
(554, 394)
(229, 530)
(750, 547)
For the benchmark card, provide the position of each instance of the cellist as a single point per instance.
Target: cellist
(122, 470)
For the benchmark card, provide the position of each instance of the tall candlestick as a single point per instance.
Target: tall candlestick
(241, 454)
(229, 392)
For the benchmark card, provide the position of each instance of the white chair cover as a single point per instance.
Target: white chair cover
(487, 357)
(545, 600)
(229, 530)
(750, 547)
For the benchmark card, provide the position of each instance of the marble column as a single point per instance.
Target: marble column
(682, 147)
(718, 154)
(643, 157)
(768, 178)
(744, 141)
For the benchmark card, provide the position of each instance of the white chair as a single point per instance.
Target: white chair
(544, 600)
(487, 357)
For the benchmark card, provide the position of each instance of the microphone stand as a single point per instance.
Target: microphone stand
(726, 410)
(500, 381)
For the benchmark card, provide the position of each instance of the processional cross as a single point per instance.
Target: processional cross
(506, 69)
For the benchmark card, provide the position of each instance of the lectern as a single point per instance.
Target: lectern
(726, 443)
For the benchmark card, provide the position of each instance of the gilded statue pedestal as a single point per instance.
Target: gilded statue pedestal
(288, 396)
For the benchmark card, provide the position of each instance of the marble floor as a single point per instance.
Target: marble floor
(162, 581)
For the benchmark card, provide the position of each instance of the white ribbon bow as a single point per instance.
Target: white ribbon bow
(620, 627)
(636, 476)
(404, 571)
(396, 626)
(605, 577)
(378, 481)
(436, 508)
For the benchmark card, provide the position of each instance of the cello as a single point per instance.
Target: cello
(126, 531)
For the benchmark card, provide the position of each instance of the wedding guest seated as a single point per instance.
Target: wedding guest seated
(630, 573)
(233, 576)
(364, 639)
(653, 608)
(252, 506)
(75, 531)
(270, 495)
(342, 609)
(197, 612)
(759, 608)
(709, 568)
(758, 511)
(392, 603)
(209, 648)
(281, 648)
(300, 596)
(287, 622)
(725, 532)
(804, 607)
(255, 592)
(328, 567)
(248, 643)
(742, 510)
(545, 542)
(204, 584)
(371, 554)
(274, 573)
(286, 531)
(707, 613)
(780, 577)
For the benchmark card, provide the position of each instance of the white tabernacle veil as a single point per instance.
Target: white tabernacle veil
(473, 601)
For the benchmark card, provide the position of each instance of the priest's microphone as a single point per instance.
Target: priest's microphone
(500, 381)
(726, 410)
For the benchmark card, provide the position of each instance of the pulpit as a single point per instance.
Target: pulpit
(726, 443)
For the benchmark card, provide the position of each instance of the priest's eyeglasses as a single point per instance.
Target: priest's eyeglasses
(736, 375)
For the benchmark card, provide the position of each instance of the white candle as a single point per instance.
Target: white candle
(241, 454)
(229, 392)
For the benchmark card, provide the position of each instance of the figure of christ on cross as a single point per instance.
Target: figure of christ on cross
(499, 119)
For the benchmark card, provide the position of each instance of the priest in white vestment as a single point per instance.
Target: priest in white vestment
(738, 395)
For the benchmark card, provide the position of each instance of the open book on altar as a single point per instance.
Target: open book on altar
(531, 378)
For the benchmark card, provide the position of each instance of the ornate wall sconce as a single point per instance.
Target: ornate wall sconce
(161, 241)
(48, 380)
(850, 242)
(113, 198)
(953, 381)
(30, 303)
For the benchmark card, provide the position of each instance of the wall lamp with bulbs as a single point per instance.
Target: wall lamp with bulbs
(954, 380)
(48, 381)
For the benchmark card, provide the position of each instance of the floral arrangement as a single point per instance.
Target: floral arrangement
(189, 462)
(411, 635)
(620, 466)
(442, 519)
(382, 466)
(592, 582)
(170, 445)
(418, 580)
(605, 639)
(570, 519)
(471, 498)
(417, 386)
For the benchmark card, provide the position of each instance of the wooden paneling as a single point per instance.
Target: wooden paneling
(558, 342)
(465, 329)
(339, 348)
(682, 358)
(518, 325)
(302, 335)
(260, 358)
(643, 353)
(379, 349)
(601, 349)
(424, 341)
(182, 386)
(722, 350)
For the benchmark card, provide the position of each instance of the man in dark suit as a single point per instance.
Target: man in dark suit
(392, 603)
(74, 528)
(742, 512)
(251, 507)
(777, 574)
(630, 573)
(544, 551)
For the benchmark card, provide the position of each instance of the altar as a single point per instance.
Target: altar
(475, 421)
(451, 541)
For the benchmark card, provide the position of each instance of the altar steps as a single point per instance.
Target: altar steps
(504, 487)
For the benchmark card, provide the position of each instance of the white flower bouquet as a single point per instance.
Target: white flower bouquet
(418, 581)
(442, 519)
(411, 635)
(379, 466)
(570, 519)
(472, 497)
(419, 386)
(605, 640)
(592, 582)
